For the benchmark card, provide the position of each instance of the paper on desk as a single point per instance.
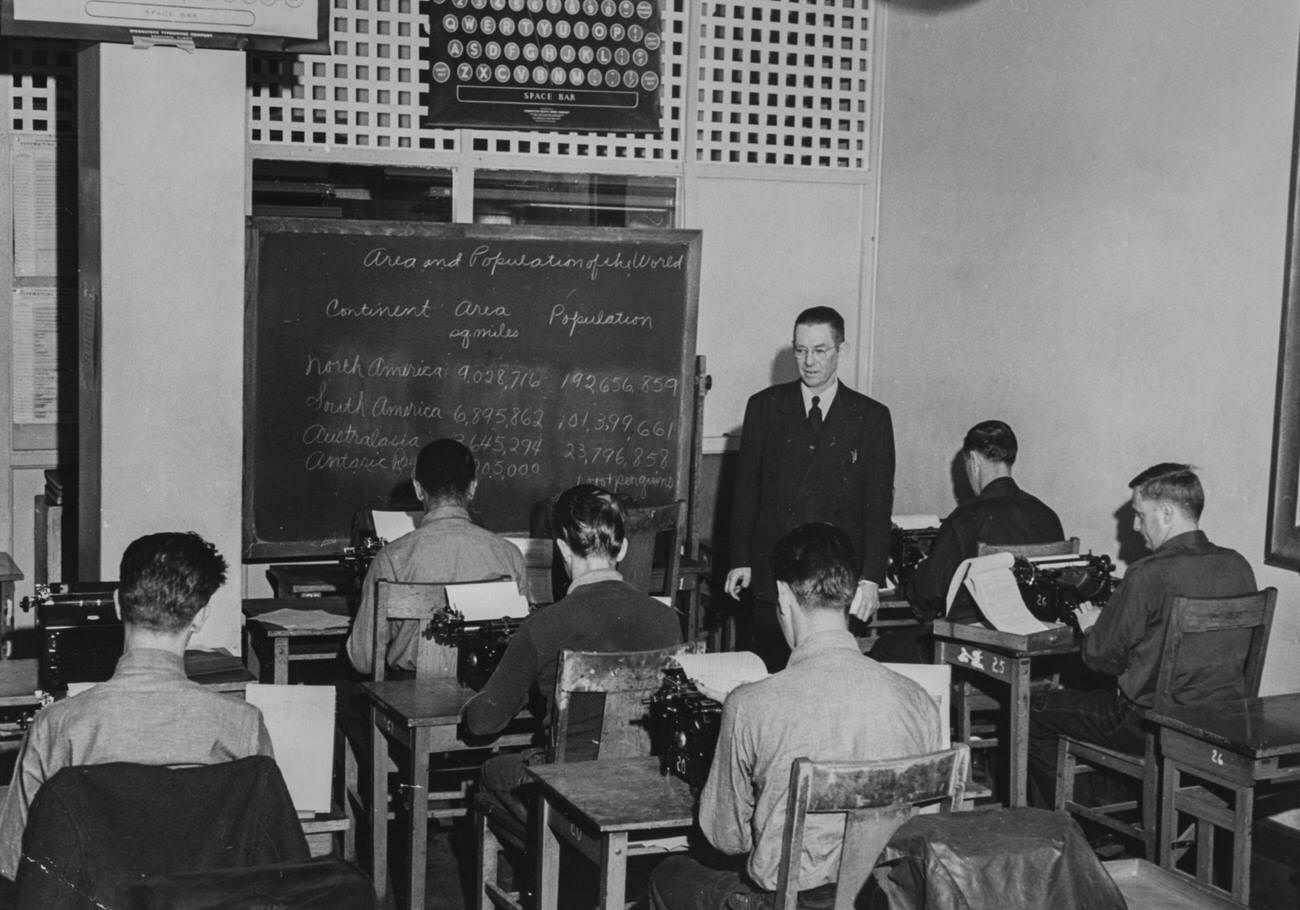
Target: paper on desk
(716, 674)
(991, 582)
(483, 601)
(391, 525)
(916, 522)
(286, 618)
(300, 720)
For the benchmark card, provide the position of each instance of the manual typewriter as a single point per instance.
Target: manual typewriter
(79, 634)
(1054, 587)
(480, 643)
(684, 728)
(907, 547)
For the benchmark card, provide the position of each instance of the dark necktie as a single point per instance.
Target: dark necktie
(815, 417)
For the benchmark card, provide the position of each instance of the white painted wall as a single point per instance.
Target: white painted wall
(171, 157)
(1082, 228)
(773, 247)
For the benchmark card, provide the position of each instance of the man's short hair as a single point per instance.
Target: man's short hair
(445, 468)
(165, 579)
(994, 440)
(823, 315)
(1172, 483)
(818, 563)
(590, 520)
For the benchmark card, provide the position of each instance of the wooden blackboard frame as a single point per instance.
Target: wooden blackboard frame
(259, 546)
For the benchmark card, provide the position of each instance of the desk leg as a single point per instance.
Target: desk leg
(252, 662)
(1242, 837)
(378, 808)
(613, 870)
(548, 857)
(1019, 746)
(280, 666)
(417, 831)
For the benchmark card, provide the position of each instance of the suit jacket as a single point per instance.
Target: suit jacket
(846, 478)
(95, 829)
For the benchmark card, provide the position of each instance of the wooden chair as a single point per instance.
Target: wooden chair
(968, 698)
(875, 797)
(626, 679)
(654, 545)
(1219, 641)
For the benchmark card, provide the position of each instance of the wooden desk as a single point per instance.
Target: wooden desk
(1006, 658)
(419, 716)
(596, 806)
(1146, 886)
(1233, 745)
(266, 644)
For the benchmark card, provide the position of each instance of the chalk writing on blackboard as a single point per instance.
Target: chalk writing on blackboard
(557, 356)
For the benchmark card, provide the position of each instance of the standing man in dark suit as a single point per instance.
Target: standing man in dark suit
(812, 450)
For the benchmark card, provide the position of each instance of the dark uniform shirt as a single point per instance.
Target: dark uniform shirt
(1001, 514)
(1128, 638)
(601, 612)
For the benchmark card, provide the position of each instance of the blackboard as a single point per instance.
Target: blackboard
(558, 355)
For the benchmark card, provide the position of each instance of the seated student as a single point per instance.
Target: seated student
(830, 703)
(446, 547)
(1000, 513)
(601, 612)
(1126, 638)
(148, 712)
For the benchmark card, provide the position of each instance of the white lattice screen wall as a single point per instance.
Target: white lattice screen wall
(778, 82)
(366, 94)
(42, 87)
(785, 82)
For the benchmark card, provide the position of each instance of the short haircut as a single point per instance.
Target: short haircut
(1172, 483)
(818, 563)
(994, 440)
(590, 520)
(445, 468)
(165, 579)
(823, 315)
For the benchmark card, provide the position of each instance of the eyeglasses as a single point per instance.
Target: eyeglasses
(821, 352)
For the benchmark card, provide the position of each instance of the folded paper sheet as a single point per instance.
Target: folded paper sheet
(300, 720)
(718, 673)
(391, 525)
(484, 601)
(993, 585)
(915, 522)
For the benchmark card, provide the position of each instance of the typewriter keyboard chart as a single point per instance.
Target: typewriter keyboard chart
(545, 64)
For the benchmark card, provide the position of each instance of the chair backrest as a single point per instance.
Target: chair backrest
(626, 679)
(539, 558)
(936, 680)
(1055, 548)
(875, 797)
(396, 600)
(1215, 646)
(654, 540)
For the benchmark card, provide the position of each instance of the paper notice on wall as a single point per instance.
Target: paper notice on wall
(36, 182)
(39, 331)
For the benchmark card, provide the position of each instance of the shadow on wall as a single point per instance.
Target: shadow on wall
(1130, 545)
(931, 7)
(784, 369)
(961, 488)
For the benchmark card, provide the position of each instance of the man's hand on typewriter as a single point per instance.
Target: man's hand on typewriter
(1086, 614)
(737, 581)
(866, 601)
